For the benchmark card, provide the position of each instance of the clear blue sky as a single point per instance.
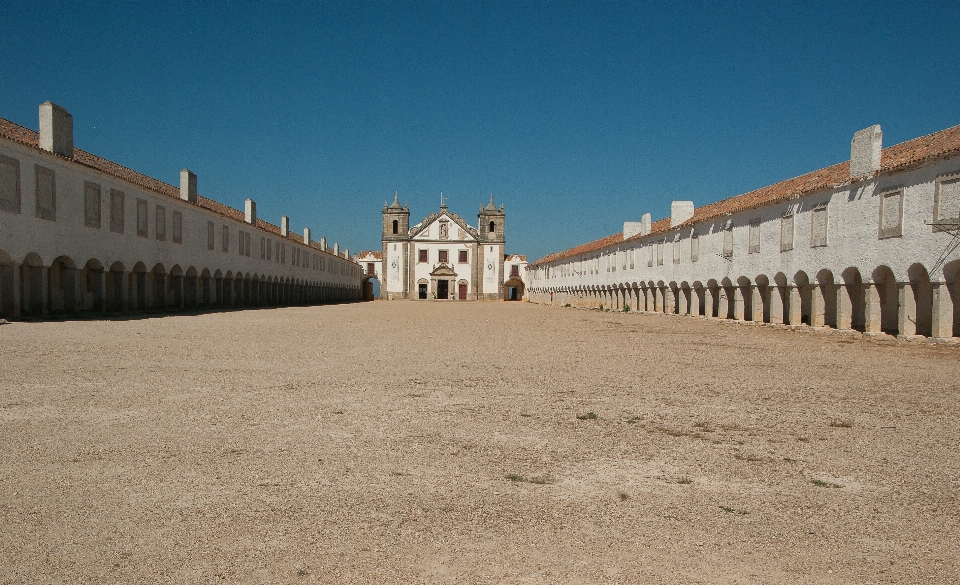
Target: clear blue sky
(577, 116)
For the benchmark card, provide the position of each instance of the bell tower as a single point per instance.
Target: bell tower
(396, 250)
(396, 220)
(491, 243)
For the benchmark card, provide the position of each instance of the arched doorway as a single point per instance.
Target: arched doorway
(513, 290)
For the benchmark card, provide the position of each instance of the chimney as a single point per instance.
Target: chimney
(645, 224)
(680, 211)
(250, 211)
(336, 249)
(306, 236)
(323, 243)
(346, 253)
(56, 129)
(284, 226)
(865, 151)
(188, 186)
(631, 228)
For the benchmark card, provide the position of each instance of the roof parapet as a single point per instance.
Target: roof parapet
(865, 150)
(56, 129)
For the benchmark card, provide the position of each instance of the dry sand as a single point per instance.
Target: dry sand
(431, 442)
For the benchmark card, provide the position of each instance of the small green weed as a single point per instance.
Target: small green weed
(733, 511)
(567, 305)
(841, 424)
(626, 308)
(525, 415)
(824, 484)
(588, 416)
(633, 420)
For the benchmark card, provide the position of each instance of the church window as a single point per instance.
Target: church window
(443, 256)
(492, 227)
(423, 255)
(463, 257)
(514, 270)
(396, 226)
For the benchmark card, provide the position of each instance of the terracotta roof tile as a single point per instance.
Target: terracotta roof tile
(900, 157)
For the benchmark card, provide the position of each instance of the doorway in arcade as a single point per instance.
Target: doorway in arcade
(443, 289)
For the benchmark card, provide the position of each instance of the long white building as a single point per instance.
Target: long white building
(868, 244)
(80, 233)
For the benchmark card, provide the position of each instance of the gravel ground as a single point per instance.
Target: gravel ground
(433, 442)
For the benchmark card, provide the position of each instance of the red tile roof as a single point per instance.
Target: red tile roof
(31, 138)
(369, 253)
(897, 158)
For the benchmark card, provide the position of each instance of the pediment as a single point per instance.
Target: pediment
(443, 270)
(456, 230)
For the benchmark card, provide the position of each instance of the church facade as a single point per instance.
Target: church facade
(442, 257)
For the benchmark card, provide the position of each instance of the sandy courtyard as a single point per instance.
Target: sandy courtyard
(409, 442)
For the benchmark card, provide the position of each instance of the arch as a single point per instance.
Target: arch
(92, 288)
(713, 301)
(850, 301)
(920, 305)
(761, 295)
(886, 294)
(800, 299)
(951, 277)
(62, 278)
(698, 298)
(727, 308)
(396, 226)
(823, 300)
(8, 284)
(492, 227)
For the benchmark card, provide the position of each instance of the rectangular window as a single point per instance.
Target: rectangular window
(225, 239)
(116, 211)
(283, 254)
(91, 204)
(818, 226)
(649, 255)
(269, 249)
(161, 222)
(660, 253)
(46, 194)
(946, 202)
(514, 270)
(211, 235)
(246, 243)
(676, 251)
(177, 227)
(422, 256)
(694, 248)
(891, 213)
(240, 242)
(754, 236)
(142, 225)
(786, 231)
(9, 184)
(263, 248)
(633, 254)
(463, 257)
(728, 240)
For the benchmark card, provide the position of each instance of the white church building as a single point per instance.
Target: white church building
(443, 257)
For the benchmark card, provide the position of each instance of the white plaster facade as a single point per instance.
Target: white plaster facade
(80, 233)
(876, 251)
(442, 257)
(515, 273)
